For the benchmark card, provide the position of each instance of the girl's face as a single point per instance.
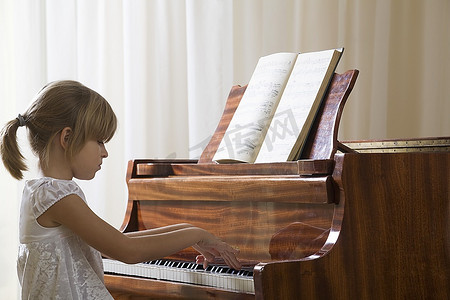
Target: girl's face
(88, 161)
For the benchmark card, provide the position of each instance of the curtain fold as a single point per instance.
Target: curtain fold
(209, 51)
(166, 67)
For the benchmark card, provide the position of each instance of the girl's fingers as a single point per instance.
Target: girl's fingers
(222, 249)
(231, 260)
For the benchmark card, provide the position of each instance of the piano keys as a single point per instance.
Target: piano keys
(216, 276)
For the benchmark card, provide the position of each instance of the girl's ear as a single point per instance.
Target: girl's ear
(65, 136)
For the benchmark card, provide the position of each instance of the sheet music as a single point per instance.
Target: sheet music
(247, 129)
(298, 105)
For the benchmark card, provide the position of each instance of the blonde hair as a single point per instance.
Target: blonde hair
(58, 105)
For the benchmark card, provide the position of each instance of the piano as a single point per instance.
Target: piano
(347, 220)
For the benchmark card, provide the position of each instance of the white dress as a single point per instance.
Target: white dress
(54, 263)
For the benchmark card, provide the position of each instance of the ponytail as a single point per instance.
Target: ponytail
(12, 158)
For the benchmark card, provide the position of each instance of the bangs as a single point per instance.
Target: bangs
(101, 122)
(96, 120)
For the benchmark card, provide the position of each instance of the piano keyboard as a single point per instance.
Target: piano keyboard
(186, 272)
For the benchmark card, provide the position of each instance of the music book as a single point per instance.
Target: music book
(273, 118)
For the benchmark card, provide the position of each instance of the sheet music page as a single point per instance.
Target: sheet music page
(298, 105)
(249, 124)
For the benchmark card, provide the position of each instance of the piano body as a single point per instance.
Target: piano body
(360, 220)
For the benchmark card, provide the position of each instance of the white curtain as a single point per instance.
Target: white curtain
(167, 66)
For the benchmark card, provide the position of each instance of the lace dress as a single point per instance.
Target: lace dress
(54, 263)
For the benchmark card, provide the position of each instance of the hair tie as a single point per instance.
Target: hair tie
(21, 120)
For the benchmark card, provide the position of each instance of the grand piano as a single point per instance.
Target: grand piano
(350, 220)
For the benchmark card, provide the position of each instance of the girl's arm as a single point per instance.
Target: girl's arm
(158, 230)
(74, 213)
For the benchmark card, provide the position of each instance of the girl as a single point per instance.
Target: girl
(61, 238)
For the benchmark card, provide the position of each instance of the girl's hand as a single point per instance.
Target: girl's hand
(200, 260)
(211, 247)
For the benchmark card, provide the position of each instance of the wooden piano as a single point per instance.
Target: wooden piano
(360, 220)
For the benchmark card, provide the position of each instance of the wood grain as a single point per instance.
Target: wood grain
(131, 288)
(394, 241)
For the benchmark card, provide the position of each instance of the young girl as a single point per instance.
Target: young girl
(61, 238)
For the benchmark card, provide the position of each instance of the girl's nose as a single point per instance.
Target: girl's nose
(104, 152)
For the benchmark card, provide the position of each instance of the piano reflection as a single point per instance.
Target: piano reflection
(355, 220)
